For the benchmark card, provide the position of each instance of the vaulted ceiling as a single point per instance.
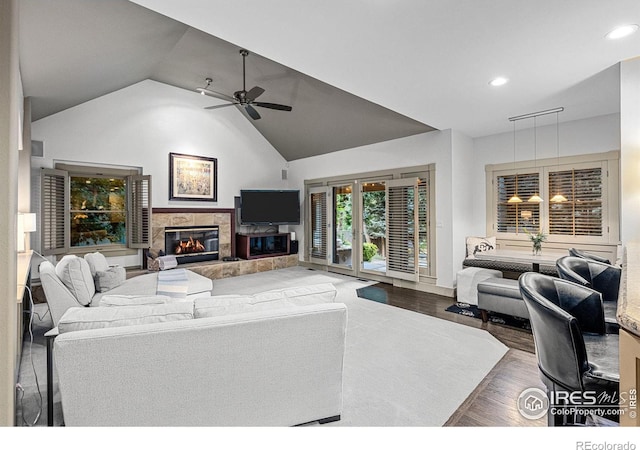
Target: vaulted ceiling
(355, 72)
(75, 50)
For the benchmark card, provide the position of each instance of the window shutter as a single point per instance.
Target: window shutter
(318, 201)
(402, 218)
(139, 211)
(515, 217)
(423, 223)
(54, 212)
(581, 214)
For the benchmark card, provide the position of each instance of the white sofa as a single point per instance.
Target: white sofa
(74, 286)
(272, 359)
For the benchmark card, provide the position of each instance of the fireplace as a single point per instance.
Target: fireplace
(192, 243)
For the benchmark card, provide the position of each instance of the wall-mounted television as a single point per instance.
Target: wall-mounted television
(269, 207)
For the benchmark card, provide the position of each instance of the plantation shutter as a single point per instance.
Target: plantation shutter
(581, 214)
(320, 221)
(54, 212)
(139, 211)
(402, 232)
(516, 217)
(423, 223)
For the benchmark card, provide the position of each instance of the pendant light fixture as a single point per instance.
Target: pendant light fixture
(515, 198)
(535, 198)
(558, 198)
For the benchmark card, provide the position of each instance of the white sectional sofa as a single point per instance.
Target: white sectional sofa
(71, 283)
(270, 359)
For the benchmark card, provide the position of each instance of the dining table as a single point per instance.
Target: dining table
(544, 258)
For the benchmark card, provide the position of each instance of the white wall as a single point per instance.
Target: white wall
(630, 152)
(141, 124)
(10, 102)
(422, 149)
(579, 137)
(464, 223)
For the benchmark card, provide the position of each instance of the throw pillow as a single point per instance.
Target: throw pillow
(77, 319)
(133, 300)
(480, 244)
(97, 262)
(75, 274)
(110, 278)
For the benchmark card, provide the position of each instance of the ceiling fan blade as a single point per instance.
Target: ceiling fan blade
(252, 112)
(215, 94)
(254, 93)
(273, 106)
(219, 106)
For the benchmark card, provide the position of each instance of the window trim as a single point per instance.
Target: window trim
(96, 171)
(610, 163)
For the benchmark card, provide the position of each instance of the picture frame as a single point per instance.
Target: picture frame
(193, 178)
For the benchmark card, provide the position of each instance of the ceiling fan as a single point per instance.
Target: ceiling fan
(242, 98)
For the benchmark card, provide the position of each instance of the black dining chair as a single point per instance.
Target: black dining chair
(599, 276)
(573, 352)
(586, 255)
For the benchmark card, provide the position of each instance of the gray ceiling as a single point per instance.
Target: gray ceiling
(72, 51)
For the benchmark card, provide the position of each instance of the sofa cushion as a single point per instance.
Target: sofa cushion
(77, 319)
(113, 277)
(97, 262)
(133, 300)
(479, 244)
(276, 299)
(75, 274)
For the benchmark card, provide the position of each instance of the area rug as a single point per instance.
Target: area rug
(401, 368)
(473, 311)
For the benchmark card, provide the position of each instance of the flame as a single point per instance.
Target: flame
(189, 246)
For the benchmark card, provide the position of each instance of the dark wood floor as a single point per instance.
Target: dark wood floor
(493, 402)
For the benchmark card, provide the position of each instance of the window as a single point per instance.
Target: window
(517, 217)
(88, 208)
(589, 183)
(581, 214)
(98, 212)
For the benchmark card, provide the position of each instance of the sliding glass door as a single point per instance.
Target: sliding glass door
(373, 223)
(343, 235)
(377, 226)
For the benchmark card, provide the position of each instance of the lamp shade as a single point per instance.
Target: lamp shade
(558, 198)
(535, 198)
(29, 222)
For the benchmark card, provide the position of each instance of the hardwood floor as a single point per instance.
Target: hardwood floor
(493, 402)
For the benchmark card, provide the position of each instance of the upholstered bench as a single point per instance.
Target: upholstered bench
(501, 295)
(467, 281)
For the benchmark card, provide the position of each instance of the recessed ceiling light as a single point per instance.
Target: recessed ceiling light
(622, 31)
(499, 81)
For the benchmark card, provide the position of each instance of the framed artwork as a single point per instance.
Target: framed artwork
(193, 178)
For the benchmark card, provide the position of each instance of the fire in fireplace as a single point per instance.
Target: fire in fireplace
(192, 243)
(189, 246)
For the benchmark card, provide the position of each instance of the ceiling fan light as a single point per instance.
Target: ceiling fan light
(515, 199)
(535, 198)
(558, 198)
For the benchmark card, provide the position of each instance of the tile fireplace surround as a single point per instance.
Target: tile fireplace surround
(171, 217)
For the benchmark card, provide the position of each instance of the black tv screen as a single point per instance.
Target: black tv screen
(265, 207)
